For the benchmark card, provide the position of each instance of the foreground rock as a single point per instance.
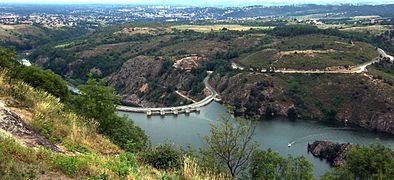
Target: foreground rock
(333, 152)
(13, 125)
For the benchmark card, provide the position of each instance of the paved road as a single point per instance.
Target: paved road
(354, 70)
(381, 51)
(357, 69)
(198, 104)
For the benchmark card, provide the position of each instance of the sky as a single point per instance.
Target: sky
(198, 2)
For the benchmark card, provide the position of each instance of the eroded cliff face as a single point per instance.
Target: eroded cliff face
(153, 82)
(333, 152)
(354, 99)
(252, 99)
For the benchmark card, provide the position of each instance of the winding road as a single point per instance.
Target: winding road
(176, 109)
(354, 70)
(213, 94)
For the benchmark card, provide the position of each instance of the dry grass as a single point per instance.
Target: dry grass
(143, 30)
(50, 117)
(192, 171)
(217, 27)
(374, 29)
(86, 153)
(307, 52)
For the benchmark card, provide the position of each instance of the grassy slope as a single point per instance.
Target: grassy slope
(85, 153)
(22, 36)
(311, 52)
(337, 93)
(218, 27)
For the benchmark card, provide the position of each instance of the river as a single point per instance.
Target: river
(184, 130)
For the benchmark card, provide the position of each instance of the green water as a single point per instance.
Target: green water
(186, 130)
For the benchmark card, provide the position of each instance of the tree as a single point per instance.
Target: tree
(7, 58)
(97, 103)
(33, 75)
(230, 145)
(270, 165)
(298, 168)
(42, 79)
(165, 156)
(266, 165)
(372, 161)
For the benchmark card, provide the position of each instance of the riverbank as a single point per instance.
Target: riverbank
(184, 130)
(347, 99)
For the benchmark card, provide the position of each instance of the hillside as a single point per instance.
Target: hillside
(167, 64)
(26, 37)
(353, 99)
(83, 86)
(310, 52)
(41, 139)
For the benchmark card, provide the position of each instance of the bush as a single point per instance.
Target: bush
(42, 79)
(68, 164)
(124, 165)
(7, 58)
(97, 103)
(163, 157)
(125, 133)
(270, 165)
(372, 161)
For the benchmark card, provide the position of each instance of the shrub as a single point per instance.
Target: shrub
(270, 165)
(45, 80)
(372, 161)
(68, 164)
(97, 104)
(126, 132)
(124, 165)
(164, 156)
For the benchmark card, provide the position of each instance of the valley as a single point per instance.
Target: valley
(171, 92)
(144, 70)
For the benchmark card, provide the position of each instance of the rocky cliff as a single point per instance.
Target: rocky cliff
(152, 82)
(333, 152)
(251, 98)
(354, 99)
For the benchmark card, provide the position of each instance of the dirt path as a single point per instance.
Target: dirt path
(361, 68)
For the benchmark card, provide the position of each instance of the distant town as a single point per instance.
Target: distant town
(68, 16)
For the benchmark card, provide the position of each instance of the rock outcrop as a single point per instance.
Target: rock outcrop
(152, 82)
(333, 152)
(351, 99)
(13, 125)
(255, 99)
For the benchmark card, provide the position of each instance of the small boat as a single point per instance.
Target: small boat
(289, 145)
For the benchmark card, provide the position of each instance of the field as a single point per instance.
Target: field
(218, 27)
(311, 52)
(373, 29)
(261, 58)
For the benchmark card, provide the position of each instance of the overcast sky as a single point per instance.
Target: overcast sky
(197, 2)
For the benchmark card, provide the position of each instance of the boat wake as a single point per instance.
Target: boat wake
(306, 138)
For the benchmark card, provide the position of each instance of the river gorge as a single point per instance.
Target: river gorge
(184, 130)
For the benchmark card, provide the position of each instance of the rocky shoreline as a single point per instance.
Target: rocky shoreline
(262, 96)
(334, 153)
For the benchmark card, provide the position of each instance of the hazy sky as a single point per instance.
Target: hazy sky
(197, 2)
